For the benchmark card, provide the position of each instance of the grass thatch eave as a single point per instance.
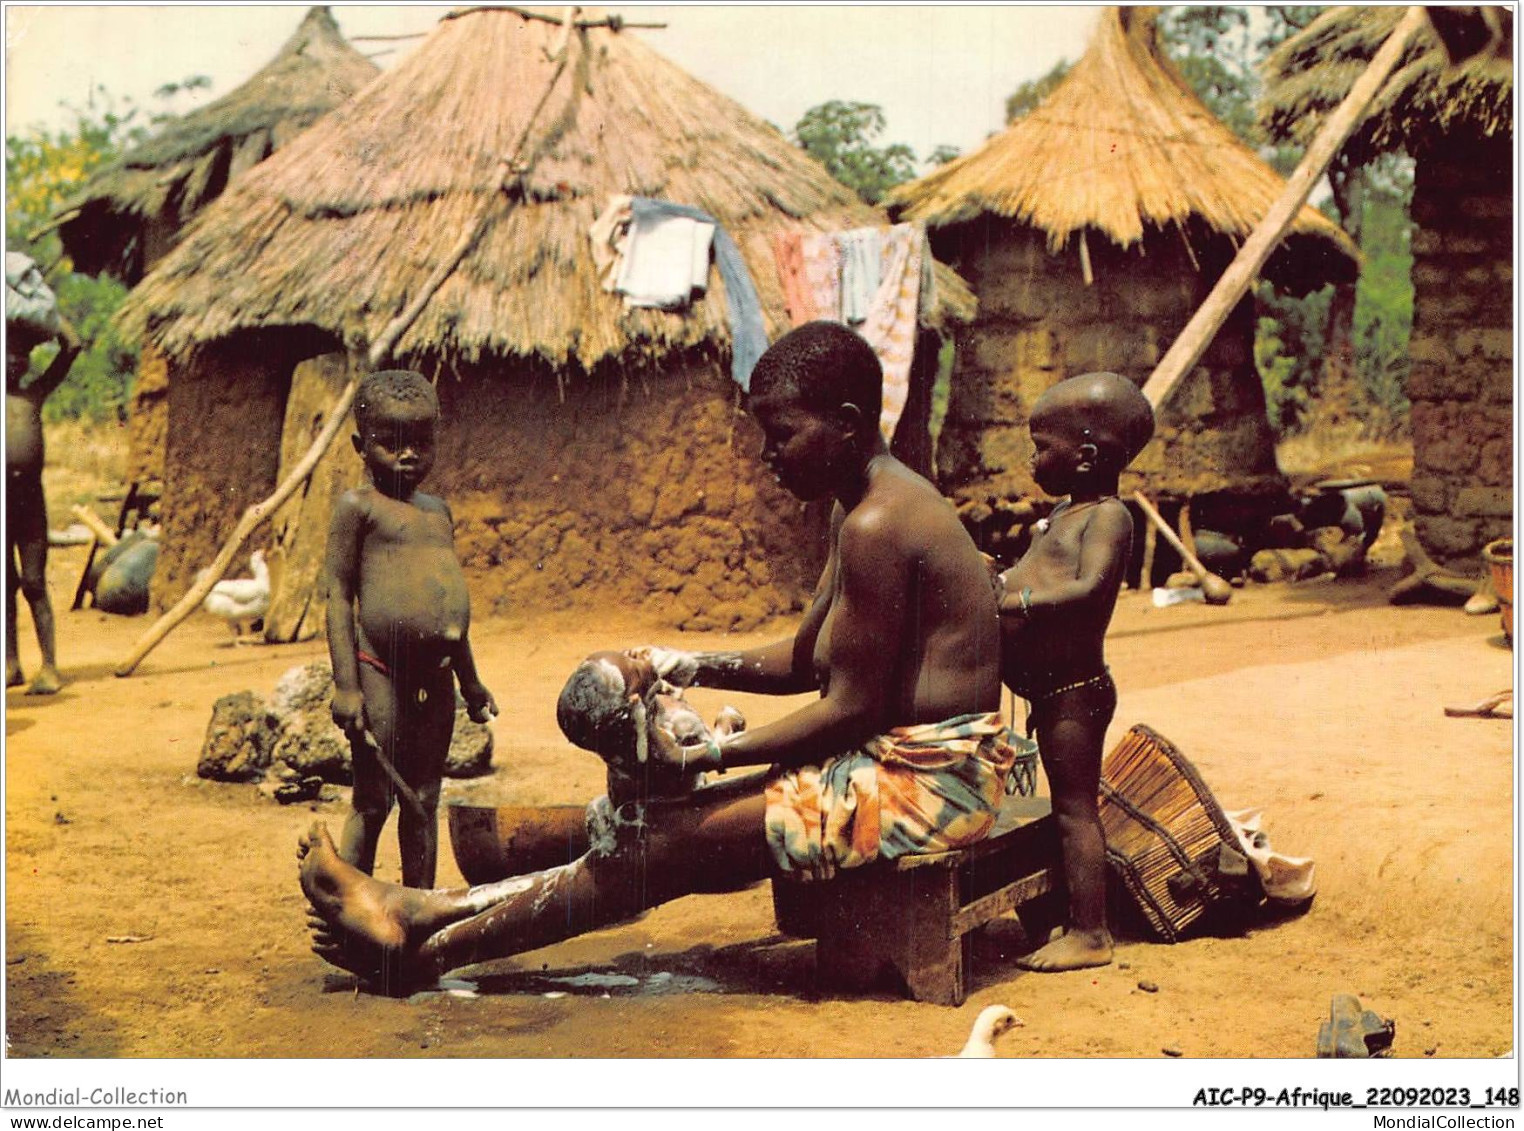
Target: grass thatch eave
(178, 171)
(1121, 146)
(342, 227)
(1309, 74)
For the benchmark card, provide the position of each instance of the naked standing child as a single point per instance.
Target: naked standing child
(1056, 605)
(398, 616)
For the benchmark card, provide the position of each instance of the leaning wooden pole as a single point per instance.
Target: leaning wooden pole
(380, 349)
(1209, 317)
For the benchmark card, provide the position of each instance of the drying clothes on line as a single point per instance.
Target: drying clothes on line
(666, 264)
(1290, 879)
(862, 264)
(877, 279)
(625, 260)
(893, 316)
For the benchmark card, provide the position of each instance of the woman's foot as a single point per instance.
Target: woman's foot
(1074, 950)
(358, 923)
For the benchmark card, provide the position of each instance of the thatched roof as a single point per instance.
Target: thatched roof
(178, 171)
(342, 227)
(1123, 146)
(1309, 74)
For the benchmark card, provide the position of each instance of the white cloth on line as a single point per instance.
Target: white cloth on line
(666, 262)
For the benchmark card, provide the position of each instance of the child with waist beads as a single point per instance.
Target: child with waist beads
(1055, 606)
(398, 616)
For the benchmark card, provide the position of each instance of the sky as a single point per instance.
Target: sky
(941, 73)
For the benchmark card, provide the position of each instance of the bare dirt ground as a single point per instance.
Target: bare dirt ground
(150, 914)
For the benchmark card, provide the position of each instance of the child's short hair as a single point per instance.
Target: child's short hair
(391, 387)
(824, 365)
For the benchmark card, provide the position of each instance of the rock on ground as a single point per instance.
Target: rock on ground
(240, 739)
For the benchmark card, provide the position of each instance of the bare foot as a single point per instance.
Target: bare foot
(13, 676)
(1074, 950)
(46, 682)
(359, 924)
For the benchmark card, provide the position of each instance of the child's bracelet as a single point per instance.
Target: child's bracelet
(717, 753)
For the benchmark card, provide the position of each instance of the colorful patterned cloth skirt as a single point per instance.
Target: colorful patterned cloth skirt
(927, 788)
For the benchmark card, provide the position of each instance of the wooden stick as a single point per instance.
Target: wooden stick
(1218, 591)
(103, 533)
(255, 515)
(1209, 317)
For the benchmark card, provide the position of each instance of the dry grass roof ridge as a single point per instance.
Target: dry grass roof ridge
(1121, 146)
(189, 162)
(340, 228)
(1311, 72)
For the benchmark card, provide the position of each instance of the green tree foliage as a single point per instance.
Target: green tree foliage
(1029, 95)
(840, 135)
(43, 169)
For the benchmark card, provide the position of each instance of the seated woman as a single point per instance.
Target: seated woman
(903, 752)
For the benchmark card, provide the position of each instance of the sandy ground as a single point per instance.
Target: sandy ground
(150, 914)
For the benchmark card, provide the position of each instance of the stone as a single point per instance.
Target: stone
(470, 753)
(240, 739)
(306, 688)
(311, 746)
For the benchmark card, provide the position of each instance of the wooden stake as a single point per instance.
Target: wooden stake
(1209, 317)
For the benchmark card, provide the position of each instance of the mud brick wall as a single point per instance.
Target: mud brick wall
(1039, 323)
(221, 452)
(1461, 382)
(148, 418)
(641, 489)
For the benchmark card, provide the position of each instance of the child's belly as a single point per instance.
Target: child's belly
(415, 599)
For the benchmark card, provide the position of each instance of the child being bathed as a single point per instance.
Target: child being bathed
(1054, 609)
(397, 626)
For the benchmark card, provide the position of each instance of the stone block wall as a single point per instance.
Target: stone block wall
(1040, 323)
(1461, 384)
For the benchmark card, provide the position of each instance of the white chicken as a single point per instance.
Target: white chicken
(242, 600)
(992, 1021)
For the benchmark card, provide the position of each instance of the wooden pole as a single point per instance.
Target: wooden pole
(1217, 591)
(380, 349)
(1209, 317)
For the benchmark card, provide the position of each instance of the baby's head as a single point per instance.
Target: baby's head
(397, 417)
(817, 393)
(616, 706)
(1102, 419)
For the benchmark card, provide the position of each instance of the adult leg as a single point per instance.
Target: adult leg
(31, 518)
(405, 936)
(1071, 735)
(371, 797)
(423, 742)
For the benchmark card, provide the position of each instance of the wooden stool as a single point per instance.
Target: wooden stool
(914, 915)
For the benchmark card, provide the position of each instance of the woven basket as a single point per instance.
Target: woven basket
(1164, 833)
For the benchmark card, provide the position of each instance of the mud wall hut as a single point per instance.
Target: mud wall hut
(127, 216)
(590, 453)
(1456, 122)
(1091, 230)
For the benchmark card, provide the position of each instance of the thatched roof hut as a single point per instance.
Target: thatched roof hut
(125, 216)
(1425, 99)
(1091, 230)
(584, 442)
(1456, 121)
